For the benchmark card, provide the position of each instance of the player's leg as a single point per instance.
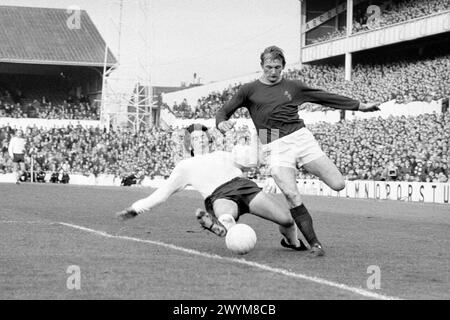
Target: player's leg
(285, 177)
(22, 168)
(326, 171)
(276, 209)
(226, 211)
(16, 171)
(221, 218)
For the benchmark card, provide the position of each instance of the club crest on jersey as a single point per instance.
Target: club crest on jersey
(288, 95)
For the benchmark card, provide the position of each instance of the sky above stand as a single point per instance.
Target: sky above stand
(217, 40)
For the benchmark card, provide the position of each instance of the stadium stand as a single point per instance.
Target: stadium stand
(405, 80)
(389, 149)
(397, 148)
(207, 106)
(391, 13)
(47, 110)
(403, 10)
(94, 151)
(47, 69)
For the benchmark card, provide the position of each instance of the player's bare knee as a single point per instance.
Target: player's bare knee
(289, 190)
(338, 185)
(290, 193)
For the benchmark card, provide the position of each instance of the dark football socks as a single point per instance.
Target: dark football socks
(304, 222)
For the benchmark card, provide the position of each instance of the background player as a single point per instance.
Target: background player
(227, 195)
(16, 150)
(273, 103)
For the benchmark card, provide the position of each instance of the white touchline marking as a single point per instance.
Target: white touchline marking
(285, 272)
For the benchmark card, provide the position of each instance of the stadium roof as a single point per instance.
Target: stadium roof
(42, 36)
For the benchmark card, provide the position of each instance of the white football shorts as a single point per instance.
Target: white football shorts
(292, 151)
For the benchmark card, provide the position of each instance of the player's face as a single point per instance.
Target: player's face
(199, 142)
(272, 69)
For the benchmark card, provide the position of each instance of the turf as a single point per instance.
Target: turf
(407, 241)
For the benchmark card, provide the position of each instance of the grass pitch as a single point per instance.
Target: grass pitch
(164, 254)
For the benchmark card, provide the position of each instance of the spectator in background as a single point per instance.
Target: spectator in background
(351, 176)
(38, 174)
(419, 171)
(392, 171)
(63, 172)
(405, 170)
(16, 150)
(129, 180)
(6, 163)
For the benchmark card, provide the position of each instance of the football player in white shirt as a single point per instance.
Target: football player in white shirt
(218, 178)
(16, 150)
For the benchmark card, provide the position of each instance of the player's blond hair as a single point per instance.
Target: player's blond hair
(273, 52)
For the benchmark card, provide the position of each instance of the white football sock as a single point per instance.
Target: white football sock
(227, 220)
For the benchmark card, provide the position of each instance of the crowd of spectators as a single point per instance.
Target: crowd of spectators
(405, 80)
(413, 148)
(73, 109)
(392, 12)
(332, 35)
(94, 151)
(398, 148)
(206, 107)
(404, 10)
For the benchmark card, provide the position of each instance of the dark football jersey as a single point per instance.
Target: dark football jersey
(274, 108)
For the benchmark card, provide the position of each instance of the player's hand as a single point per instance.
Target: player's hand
(369, 107)
(225, 126)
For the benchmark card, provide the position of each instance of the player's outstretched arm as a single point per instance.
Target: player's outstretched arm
(175, 183)
(327, 99)
(336, 101)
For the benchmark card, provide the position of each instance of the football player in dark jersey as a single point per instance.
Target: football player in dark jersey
(272, 102)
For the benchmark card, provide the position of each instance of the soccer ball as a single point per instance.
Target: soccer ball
(240, 238)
